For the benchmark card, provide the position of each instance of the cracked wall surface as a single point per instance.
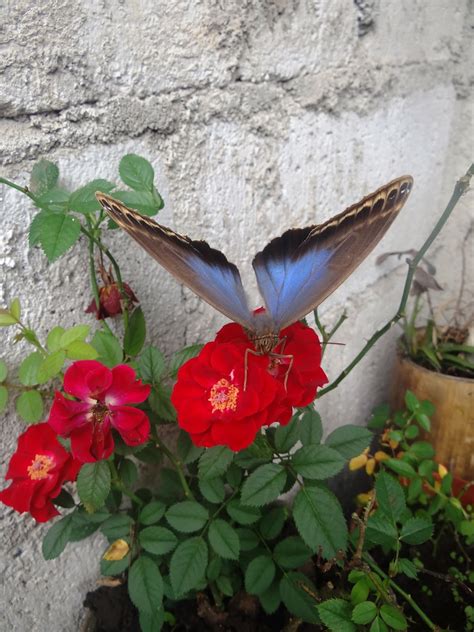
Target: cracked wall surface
(257, 115)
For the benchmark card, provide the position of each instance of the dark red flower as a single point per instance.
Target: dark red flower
(38, 469)
(295, 362)
(102, 396)
(224, 396)
(111, 301)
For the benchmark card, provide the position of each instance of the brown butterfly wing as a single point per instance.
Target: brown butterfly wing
(297, 271)
(203, 269)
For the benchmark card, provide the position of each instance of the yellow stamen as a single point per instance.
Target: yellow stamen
(40, 467)
(223, 396)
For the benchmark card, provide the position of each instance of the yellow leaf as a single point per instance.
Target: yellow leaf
(380, 455)
(357, 462)
(370, 467)
(117, 551)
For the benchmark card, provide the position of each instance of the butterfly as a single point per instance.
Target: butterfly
(295, 272)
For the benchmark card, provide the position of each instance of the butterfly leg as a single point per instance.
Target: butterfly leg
(281, 356)
(247, 351)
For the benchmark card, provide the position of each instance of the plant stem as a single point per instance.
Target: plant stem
(177, 464)
(408, 598)
(461, 186)
(121, 485)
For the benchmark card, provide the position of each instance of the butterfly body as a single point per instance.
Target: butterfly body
(295, 272)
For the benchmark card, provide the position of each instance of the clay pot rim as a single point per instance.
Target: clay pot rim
(406, 358)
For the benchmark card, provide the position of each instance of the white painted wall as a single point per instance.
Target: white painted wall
(257, 116)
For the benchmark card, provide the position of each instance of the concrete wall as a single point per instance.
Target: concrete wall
(257, 116)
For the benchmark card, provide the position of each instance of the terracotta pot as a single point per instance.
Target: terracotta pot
(452, 425)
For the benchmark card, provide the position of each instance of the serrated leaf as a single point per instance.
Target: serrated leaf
(29, 405)
(248, 539)
(28, 371)
(242, 514)
(270, 599)
(151, 365)
(187, 516)
(50, 366)
(390, 496)
(79, 350)
(53, 341)
(287, 436)
(381, 530)
(56, 233)
(213, 489)
(109, 569)
(393, 617)
(259, 575)
(182, 356)
(152, 512)
(400, 467)
(56, 538)
(364, 612)
(263, 485)
(53, 201)
(187, 451)
(317, 462)
(296, 592)
(188, 565)
(136, 172)
(336, 615)
(44, 176)
(320, 521)
(378, 625)
(214, 462)
(145, 202)
(145, 585)
(78, 332)
(224, 539)
(135, 335)
(3, 397)
(349, 440)
(157, 540)
(160, 402)
(407, 567)
(291, 552)
(117, 526)
(225, 585)
(272, 522)
(93, 483)
(152, 622)
(83, 200)
(310, 428)
(108, 347)
(416, 531)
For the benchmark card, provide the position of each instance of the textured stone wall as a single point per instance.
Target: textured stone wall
(258, 115)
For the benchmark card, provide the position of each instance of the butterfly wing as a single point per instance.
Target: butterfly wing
(297, 271)
(203, 269)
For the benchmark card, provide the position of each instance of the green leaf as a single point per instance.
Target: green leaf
(128, 472)
(145, 202)
(160, 402)
(64, 499)
(187, 451)
(109, 568)
(287, 436)
(108, 348)
(79, 350)
(291, 552)
(393, 617)
(423, 420)
(259, 574)
(187, 516)
(310, 428)
(135, 335)
(53, 201)
(407, 567)
(50, 366)
(53, 341)
(78, 332)
(422, 450)
(15, 309)
(336, 615)
(224, 584)
(378, 625)
(44, 176)
(412, 432)
(56, 233)
(57, 537)
(213, 489)
(224, 539)
(264, 485)
(83, 200)
(317, 462)
(28, 371)
(390, 496)
(381, 530)
(117, 526)
(364, 612)
(3, 371)
(214, 462)
(151, 365)
(82, 527)
(411, 401)
(296, 592)
(93, 484)
(349, 441)
(6, 319)
(152, 512)
(416, 531)
(400, 467)
(152, 622)
(157, 540)
(136, 172)
(248, 539)
(188, 565)
(360, 591)
(145, 585)
(242, 513)
(320, 521)
(3, 397)
(272, 522)
(182, 356)
(29, 405)
(270, 599)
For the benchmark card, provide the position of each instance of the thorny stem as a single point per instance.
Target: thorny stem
(459, 189)
(357, 558)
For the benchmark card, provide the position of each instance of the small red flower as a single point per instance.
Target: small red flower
(299, 364)
(111, 301)
(102, 396)
(38, 469)
(223, 397)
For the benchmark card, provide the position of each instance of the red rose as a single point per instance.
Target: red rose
(38, 469)
(223, 397)
(102, 396)
(300, 365)
(110, 301)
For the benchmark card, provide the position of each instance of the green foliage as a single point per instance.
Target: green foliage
(93, 484)
(264, 485)
(214, 462)
(224, 539)
(157, 540)
(108, 347)
(188, 565)
(57, 537)
(29, 406)
(145, 585)
(187, 516)
(135, 334)
(300, 596)
(317, 462)
(349, 440)
(259, 575)
(336, 615)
